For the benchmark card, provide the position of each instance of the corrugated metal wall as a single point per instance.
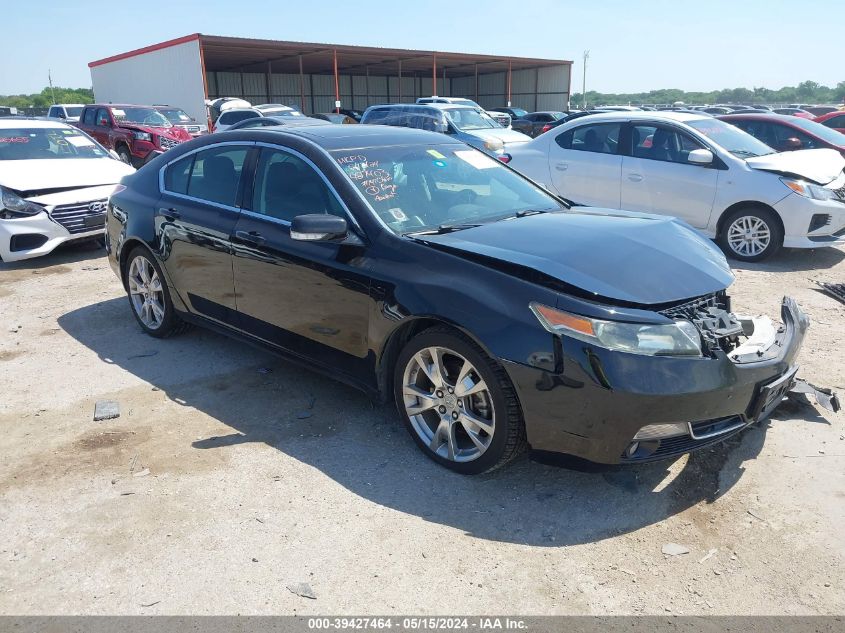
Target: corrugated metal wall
(532, 89)
(142, 79)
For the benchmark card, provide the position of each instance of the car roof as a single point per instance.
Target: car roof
(17, 122)
(760, 116)
(69, 105)
(333, 137)
(436, 106)
(626, 115)
(118, 105)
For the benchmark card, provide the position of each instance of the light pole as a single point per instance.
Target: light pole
(584, 79)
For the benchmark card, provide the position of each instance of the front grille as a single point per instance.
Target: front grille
(689, 309)
(840, 193)
(167, 143)
(81, 217)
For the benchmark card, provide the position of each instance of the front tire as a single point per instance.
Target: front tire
(751, 234)
(457, 403)
(149, 297)
(124, 154)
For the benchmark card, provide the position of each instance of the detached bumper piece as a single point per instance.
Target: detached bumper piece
(837, 291)
(824, 397)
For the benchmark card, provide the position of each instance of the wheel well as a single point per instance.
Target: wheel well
(119, 144)
(127, 247)
(397, 340)
(744, 205)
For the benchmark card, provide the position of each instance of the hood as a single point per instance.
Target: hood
(502, 134)
(28, 176)
(818, 165)
(174, 132)
(632, 258)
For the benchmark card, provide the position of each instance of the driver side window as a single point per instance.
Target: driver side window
(286, 186)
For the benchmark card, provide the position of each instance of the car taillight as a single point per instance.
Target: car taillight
(505, 158)
(546, 128)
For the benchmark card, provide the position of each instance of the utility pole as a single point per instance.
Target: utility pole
(50, 81)
(584, 79)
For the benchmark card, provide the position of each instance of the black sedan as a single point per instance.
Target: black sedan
(421, 270)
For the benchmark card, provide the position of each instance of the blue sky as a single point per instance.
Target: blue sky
(634, 45)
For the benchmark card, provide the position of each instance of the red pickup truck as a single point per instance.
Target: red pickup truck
(133, 131)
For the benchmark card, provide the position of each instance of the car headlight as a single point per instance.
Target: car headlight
(143, 136)
(808, 190)
(679, 338)
(494, 145)
(13, 206)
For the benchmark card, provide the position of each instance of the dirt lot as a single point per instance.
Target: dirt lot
(215, 489)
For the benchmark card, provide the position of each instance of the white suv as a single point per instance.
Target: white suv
(722, 181)
(68, 112)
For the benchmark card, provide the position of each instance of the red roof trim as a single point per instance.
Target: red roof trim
(146, 49)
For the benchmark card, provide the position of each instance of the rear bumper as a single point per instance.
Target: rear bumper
(601, 399)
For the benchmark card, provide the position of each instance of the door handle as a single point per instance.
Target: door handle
(170, 214)
(635, 177)
(562, 166)
(250, 237)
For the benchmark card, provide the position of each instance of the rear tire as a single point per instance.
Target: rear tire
(751, 234)
(457, 403)
(149, 296)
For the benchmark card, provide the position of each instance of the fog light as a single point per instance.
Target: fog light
(656, 431)
(818, 221)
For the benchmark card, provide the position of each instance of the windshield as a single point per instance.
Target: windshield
(47, 143)
(415, 189)
(470, 119)
(737, 142)
(519, 112)
(175, 115)
(823, 132)
(141, 116)
(74, 111)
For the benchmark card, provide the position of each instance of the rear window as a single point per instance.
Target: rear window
(47, 143)
(232, 117)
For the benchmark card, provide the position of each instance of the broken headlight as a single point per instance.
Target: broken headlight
(13, 206)
(679, 338)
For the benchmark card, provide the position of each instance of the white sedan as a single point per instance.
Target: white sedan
(722, 181)
(55, 181)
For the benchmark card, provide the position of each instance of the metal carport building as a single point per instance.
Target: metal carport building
(312, 77)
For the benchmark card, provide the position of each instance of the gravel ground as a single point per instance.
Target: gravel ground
(231, 475)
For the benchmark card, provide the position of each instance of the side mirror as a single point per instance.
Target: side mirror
(114, 154)
(791, 143)
(700, 157)
(318, 227)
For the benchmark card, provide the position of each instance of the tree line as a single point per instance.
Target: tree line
(808, 92)
(48, 97)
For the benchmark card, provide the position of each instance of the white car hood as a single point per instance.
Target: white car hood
(55, 173)
(819, 165)
(502, 134)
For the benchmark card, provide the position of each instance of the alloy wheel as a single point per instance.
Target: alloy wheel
(146, 292)
(749, 236)
(449, 404)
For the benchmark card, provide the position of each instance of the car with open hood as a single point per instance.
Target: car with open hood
(54, 183)
(423, 271)
(464, 122)
(135, 132)
(719, 179)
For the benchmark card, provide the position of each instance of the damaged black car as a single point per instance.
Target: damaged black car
(418, 269)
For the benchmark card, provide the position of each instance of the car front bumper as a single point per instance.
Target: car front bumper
(25, 238)
(797, 213)
(601, 399)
